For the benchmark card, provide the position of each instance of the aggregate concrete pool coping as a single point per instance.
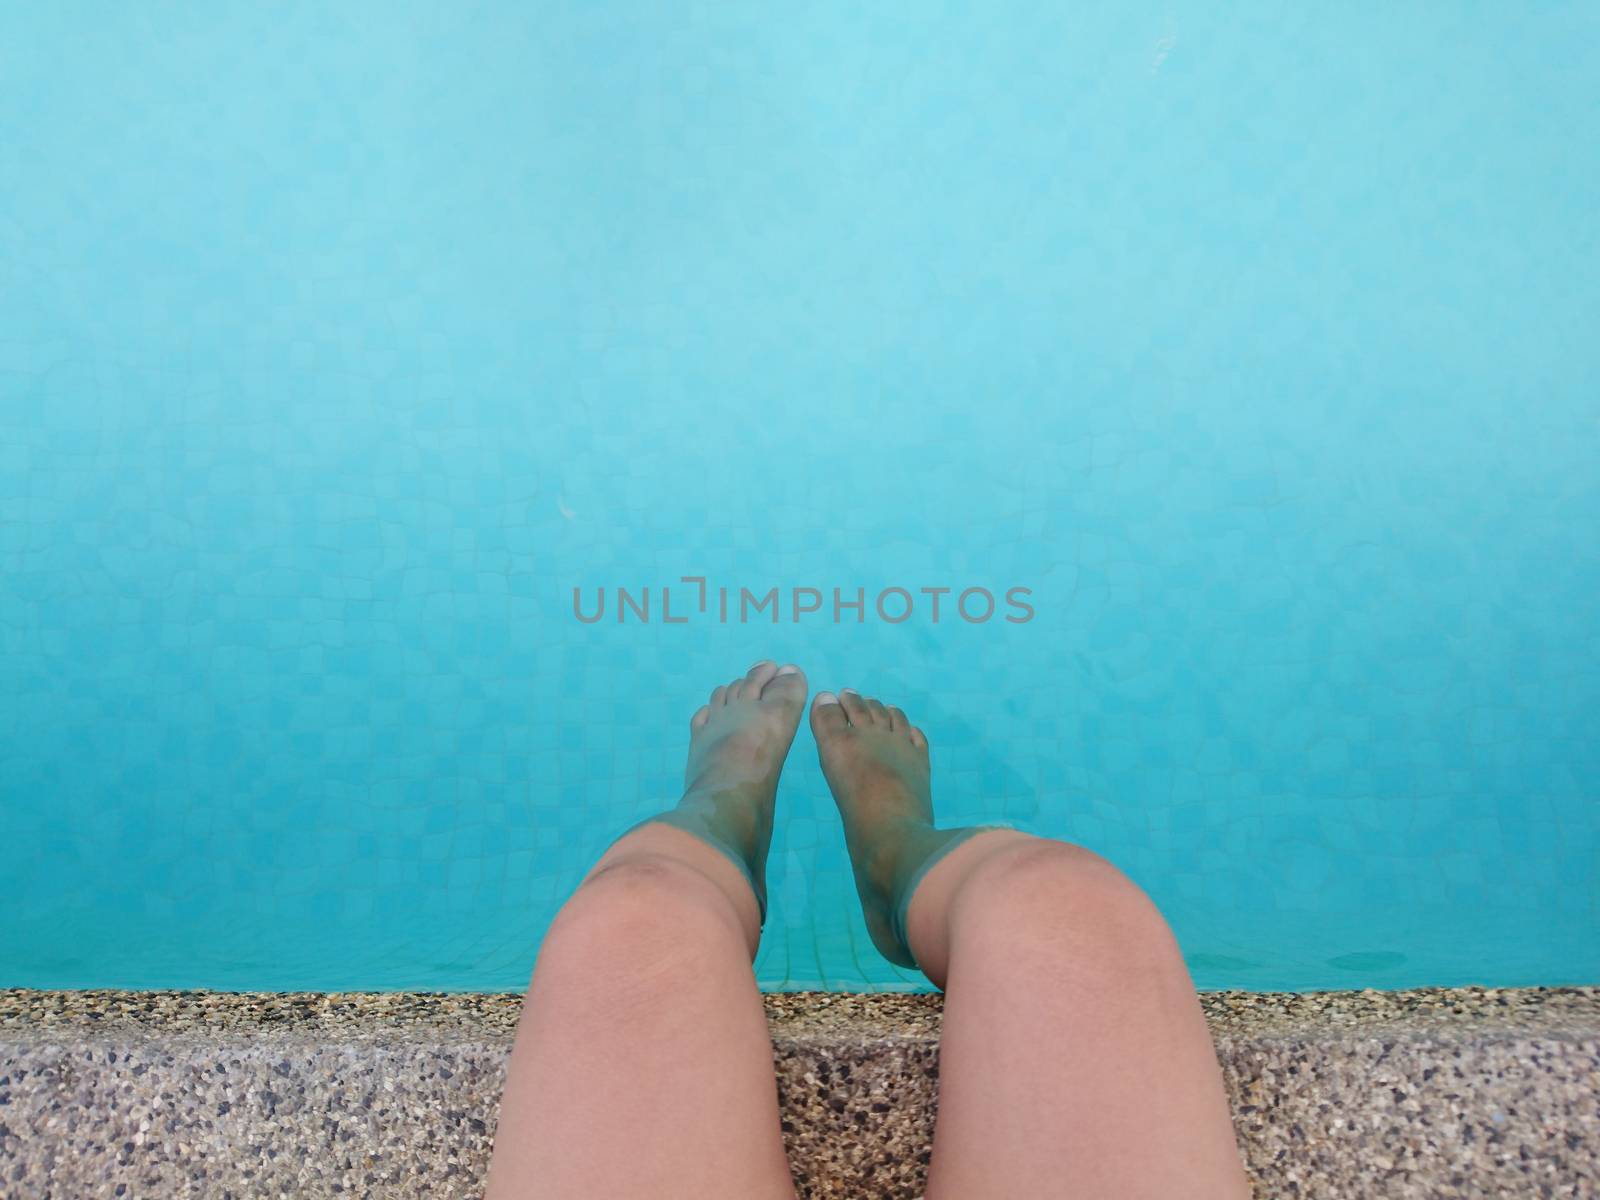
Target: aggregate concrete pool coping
(1538, 1011)
(1469, 1092)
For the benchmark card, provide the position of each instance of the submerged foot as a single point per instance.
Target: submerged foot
(737, 743)
(876, 763)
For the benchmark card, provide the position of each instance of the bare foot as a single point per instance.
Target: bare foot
(737, 743)
(876, 763)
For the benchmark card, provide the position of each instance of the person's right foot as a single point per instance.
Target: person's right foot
(876, 763)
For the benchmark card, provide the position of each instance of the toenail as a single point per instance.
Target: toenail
(788, 669)
(762, 663)
(827, 698)
(850, 691)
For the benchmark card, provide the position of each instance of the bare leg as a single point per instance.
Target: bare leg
(642, 1065)
(1075, 1060)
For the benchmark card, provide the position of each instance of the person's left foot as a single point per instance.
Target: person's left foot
(737, 743)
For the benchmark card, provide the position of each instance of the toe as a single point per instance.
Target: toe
(756, 678)
(786, 685)
(855, 707)
(701, 716)
(897, 720)
(918, 738)
(719, 697)
(880, 714)
(827, 716)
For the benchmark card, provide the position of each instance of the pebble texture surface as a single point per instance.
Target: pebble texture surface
(1460, 1093)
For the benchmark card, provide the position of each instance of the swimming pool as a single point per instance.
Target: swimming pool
(339, 346)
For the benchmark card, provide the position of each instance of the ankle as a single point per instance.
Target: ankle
(886, 849)
(888, 838)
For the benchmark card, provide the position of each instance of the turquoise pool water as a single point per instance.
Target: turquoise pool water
(340, 343)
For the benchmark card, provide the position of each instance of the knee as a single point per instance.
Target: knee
(644, 924)
(1067, 912)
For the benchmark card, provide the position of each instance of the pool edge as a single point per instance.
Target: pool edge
(1431, 1092)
